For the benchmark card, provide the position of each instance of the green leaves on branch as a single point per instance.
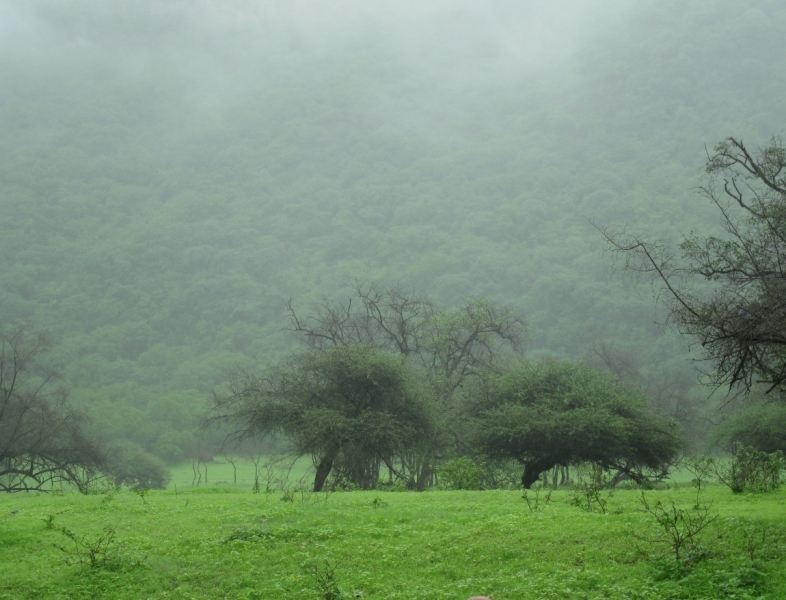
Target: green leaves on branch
(752, 471)
(352, 408)
(562, 413)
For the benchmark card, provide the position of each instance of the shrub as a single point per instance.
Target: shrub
(591, 491)
(752, 471)
(130, 464)
(461, 474)
(680, 531)
(95, 553)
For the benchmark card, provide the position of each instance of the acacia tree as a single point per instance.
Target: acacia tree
(42, 441)
(397, 331)
(447, 346)
(559, 413)
(741, 321)
(352, 408)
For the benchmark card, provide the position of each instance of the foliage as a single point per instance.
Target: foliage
(447, 347)
(680, 530)
(465, 473)
(42, 439)
(562, 413)
(591, 492)
(130, 465)
(98, 553)
(761, 426)
(351, 407)
(461, 474)
(751, 471)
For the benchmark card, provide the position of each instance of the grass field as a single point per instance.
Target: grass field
(227, 542)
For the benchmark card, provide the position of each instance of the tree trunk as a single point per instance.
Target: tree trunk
(323, 470)
(426, 471)
(533, 470)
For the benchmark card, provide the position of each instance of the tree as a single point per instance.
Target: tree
(739, 318)
(42, 441)
(447, 346)
(450, 345)
(352, 407)
(762, 427)
(130, 464)
(560, 413)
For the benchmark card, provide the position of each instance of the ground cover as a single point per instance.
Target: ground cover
(223, 542)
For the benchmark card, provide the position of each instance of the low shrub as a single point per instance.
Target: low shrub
(131, 465)
(752, 471)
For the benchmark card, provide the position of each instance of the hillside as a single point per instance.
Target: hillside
(173, 172)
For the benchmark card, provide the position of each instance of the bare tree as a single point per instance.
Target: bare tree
(739, 315)
(450, 344)
(42, 442)
(394, 319)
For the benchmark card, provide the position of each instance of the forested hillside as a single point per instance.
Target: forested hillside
(172, 171)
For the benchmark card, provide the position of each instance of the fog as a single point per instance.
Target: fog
(174, 171)
(219, 53)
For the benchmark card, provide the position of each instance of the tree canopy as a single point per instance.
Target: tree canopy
(351, 407)
(562, 413)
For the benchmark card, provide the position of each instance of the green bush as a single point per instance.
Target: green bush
(461, 474)
(130, 464)
(752, 471)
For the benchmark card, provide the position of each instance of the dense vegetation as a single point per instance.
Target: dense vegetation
(172, 174)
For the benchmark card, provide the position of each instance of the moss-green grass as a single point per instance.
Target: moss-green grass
(221, 473)
(431, 545)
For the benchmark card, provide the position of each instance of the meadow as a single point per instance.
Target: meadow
(224, 541)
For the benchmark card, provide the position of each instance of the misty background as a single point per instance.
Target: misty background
(173, 171)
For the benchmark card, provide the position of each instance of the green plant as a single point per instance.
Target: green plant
(109, 494)
(755, 539)
(533, 500)
(140, 491)
(98, 553)
(130, 464)
(680, 530)
(49, 521)
(461, 474)
(752, 471)
(377, 502)
(701, 467)
(592, 492)
(325, 583)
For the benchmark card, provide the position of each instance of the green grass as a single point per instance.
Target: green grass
(220, 473)
(222, 542)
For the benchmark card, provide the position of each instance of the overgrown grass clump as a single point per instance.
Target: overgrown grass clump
(216, 542)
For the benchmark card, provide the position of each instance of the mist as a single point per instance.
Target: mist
(174, 171)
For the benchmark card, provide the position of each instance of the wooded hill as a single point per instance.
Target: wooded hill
(173, 172)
